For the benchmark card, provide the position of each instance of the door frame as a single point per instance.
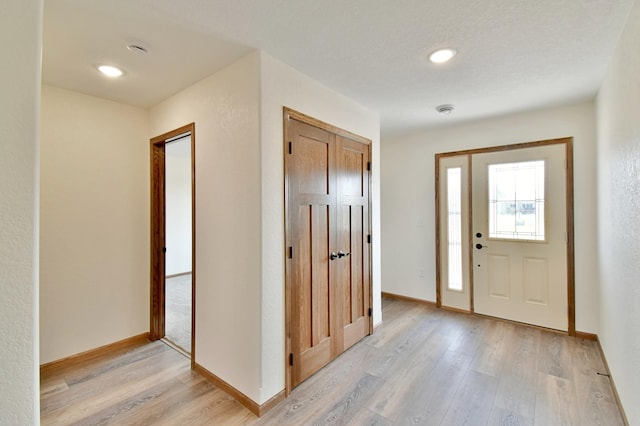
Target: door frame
(158, 237)
(568, 143)
(288, 114)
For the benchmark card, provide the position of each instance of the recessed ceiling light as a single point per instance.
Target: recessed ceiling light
(445, 109)
(442, 55)
(110, 71)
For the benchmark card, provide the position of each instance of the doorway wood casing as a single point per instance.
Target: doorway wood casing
(327, 238)
(158, 234)
(468, 231)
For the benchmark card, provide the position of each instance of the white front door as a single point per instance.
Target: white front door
(519, 235)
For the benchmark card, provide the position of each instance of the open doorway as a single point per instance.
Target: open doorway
(172, 239)
(178, 268)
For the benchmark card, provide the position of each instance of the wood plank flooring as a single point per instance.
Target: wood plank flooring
(423, 366)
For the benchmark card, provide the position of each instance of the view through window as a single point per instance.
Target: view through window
(516, 201)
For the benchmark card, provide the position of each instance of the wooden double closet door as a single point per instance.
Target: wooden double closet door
(328, 283)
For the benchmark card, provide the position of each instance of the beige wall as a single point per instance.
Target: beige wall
(225, 109)
(239, 209)
(94, 234)
(20, 44)
(408, 192)
(284, 86)
(619, 206)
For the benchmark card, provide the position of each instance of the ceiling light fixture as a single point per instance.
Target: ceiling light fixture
(445, 109)
(110, 71)
(442, 55)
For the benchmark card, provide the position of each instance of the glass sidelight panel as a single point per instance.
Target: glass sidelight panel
(517, 201)
(453, 268)
(454, 227)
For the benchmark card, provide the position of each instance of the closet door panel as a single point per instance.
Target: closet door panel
(311, 233)
(353, 225)
(327, 224)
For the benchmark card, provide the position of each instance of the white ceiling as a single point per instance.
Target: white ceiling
(513, 55)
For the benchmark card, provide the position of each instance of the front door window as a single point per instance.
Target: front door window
(516, 201)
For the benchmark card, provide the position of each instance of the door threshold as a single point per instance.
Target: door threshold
(176, 347)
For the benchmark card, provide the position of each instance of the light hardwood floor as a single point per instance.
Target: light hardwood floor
(423, 366)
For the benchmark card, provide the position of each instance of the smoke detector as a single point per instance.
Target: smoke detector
(138, 47)
(445, 109)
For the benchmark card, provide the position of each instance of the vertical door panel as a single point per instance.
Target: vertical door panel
(358, 304)
(303, 290)
(320, 275)
(536, 280)
(312, 275)
(313, 157)
(499, 275)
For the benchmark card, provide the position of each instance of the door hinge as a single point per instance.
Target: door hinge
(370, 311)
(290, 252)
(164, 249)
(291, 358)
(369, 239)
(290, 149)
(368, 165)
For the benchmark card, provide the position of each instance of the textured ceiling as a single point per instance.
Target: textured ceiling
(513, 55)
(81, 34)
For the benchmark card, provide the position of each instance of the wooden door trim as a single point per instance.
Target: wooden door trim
(568, 143)
(157, 235)
(287, 264)
(295, 115)
(291, 114)
(438, 220)
(470, 231)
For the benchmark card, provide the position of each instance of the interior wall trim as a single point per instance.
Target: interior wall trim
(578, 335)
(297, 115)
(587, 336)
(250, 404)
(408, 299)
(101, 350)
(613, 384)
